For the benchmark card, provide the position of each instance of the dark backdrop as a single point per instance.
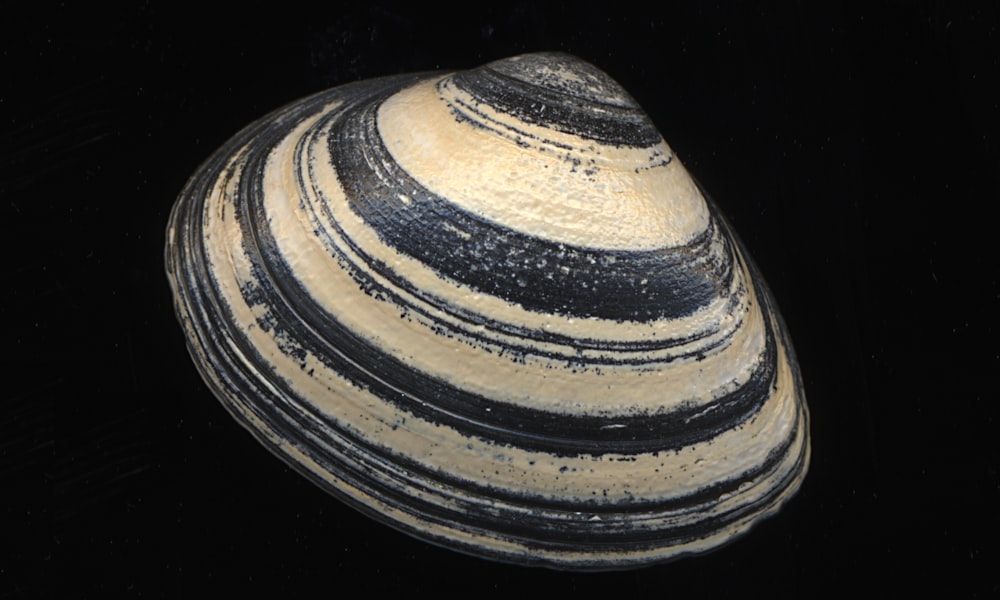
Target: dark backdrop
(856, 152)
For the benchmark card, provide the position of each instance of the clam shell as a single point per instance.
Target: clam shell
(493, 310)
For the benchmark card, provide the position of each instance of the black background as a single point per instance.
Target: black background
(857, 152)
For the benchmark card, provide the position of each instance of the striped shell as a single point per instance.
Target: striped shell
(492, 309)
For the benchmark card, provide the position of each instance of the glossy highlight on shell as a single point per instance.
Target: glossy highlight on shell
(492, 309)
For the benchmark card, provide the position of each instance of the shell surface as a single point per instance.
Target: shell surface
(492, 309)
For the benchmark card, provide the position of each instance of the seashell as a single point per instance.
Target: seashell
(493, 310)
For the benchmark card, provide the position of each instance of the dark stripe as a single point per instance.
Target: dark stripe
(390, 478)
(540, 275)
(294, 315)
(329, 230)
(615, 532)
(581, 109)
(475, 327)
(472, 326)
(370, 470)
(283, 413)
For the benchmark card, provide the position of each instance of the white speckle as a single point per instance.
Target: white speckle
(465, 235)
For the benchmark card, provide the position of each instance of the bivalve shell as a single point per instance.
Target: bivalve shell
(492, 309)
